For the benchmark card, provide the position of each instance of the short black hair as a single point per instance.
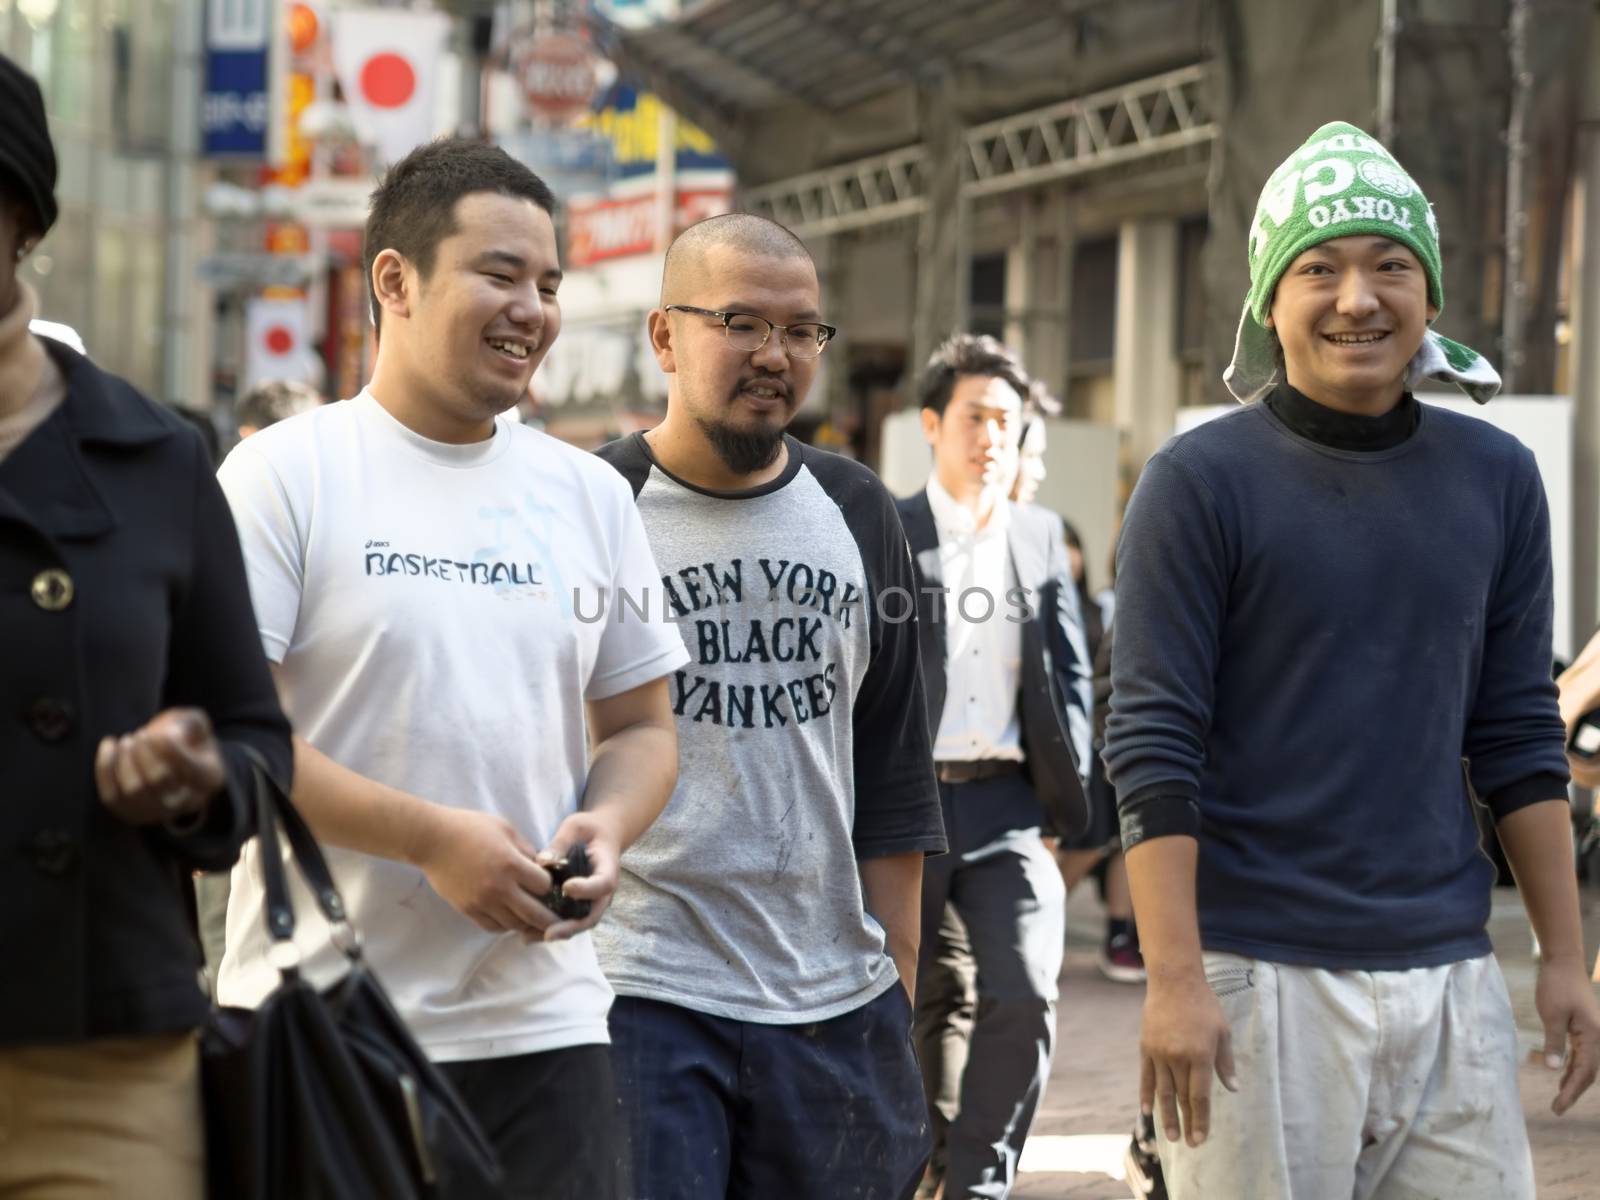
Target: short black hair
(970, 354)
(276, 400)
(414, 207)
(13, 201)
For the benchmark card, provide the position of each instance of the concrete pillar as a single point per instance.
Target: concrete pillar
(942, 270)
(1065, 227)
(1145, 363)
(1022, 282)
(1586, 363)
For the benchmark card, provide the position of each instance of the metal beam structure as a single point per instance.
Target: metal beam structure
(1119, 125)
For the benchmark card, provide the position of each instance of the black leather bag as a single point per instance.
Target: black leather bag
(325, 1095)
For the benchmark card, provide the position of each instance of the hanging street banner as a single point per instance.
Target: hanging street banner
(278, 342)
(235, 107)
(387, 63)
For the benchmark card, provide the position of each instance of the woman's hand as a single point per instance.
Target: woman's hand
(167, 771)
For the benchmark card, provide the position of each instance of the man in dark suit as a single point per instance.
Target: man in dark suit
(1007, 679)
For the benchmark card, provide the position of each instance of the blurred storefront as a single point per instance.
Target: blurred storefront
(121, 84)
(288, 204)
(1078, 176)
(305, 104)
(652, 175)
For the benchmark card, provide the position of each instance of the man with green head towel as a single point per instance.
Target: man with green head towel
(1333, 629)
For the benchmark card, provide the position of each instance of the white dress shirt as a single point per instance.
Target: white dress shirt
(983, 650)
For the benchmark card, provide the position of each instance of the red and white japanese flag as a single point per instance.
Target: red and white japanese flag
(388, 67)
(278, 342)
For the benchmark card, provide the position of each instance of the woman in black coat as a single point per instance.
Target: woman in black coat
(132, 682)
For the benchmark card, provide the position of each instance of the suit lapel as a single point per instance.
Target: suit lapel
(1029, 554)
(922, 535)
(917, 520)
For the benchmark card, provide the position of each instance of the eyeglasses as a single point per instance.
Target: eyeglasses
(747, 333)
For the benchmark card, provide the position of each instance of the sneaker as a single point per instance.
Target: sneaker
(1120, 960)
(1143, 1163)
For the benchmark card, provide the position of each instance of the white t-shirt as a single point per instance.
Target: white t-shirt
(419, 598)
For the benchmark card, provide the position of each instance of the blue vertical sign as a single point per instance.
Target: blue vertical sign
(236, 108)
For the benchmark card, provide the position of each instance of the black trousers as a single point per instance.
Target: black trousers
(552, 1118)
(984, 1070)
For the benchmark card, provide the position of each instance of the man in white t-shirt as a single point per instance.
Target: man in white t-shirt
(430, 581)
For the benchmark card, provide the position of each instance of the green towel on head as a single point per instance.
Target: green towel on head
(1342, 183)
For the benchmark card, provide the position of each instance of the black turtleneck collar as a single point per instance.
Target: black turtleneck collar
(1344, 431)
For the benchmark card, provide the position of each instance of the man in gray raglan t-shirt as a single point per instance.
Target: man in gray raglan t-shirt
(762, 929)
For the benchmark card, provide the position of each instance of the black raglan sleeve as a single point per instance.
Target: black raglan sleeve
(628, 456)
(897, 799)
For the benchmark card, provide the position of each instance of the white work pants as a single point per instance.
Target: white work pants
(1361, 1085)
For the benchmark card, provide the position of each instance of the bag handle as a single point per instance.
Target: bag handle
(272, 806)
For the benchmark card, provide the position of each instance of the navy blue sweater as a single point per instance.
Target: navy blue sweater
(1310, 641)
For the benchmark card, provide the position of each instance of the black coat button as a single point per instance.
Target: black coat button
(50, 719)
(53, 851)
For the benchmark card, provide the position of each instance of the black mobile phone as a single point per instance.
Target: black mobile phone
(1585, 740)
(574, 866)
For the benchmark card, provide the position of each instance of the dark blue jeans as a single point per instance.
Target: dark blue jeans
(731, 1110)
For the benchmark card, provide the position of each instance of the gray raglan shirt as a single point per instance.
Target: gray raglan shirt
(802, 743)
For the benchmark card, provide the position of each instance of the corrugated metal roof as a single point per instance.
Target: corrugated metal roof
(724, 58)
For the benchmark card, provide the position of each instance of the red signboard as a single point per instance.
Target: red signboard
(558, 77)
(616, 228)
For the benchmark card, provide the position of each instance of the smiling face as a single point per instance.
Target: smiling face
(740, 401)
(975, 440)
(469, 334)
(1350, 314)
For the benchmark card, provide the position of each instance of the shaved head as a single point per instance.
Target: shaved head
(746, 234)
(734, 289)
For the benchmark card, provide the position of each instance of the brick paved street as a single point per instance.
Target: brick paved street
(1075, 1152)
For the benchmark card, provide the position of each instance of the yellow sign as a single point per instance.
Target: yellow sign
(634, 131)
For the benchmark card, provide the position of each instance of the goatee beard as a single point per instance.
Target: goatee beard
(743, 452)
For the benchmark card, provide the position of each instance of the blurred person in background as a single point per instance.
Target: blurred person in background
(130, 656)
(273, 401)
(1095, 622)
(1097, 851)
(1009, 739)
